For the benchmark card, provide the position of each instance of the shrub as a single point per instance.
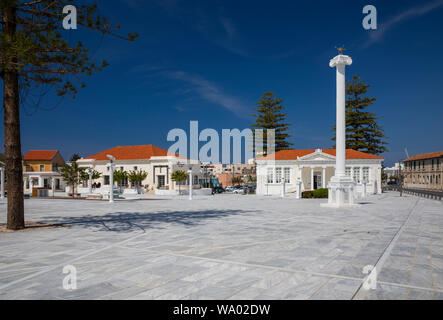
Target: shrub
(307, 194)
(320, 193)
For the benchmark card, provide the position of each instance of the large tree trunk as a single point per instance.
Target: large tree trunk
(11, 106)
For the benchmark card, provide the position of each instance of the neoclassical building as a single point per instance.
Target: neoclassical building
(424, 171)
(157, 162)
(314, 168)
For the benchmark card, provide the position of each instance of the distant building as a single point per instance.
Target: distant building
(395, 170)
(424, 171)
(40, 167)
(225, 172)
(314, 168)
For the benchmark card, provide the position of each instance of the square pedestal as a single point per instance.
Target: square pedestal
(340, 192)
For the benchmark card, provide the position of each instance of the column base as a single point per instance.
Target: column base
(340, 192)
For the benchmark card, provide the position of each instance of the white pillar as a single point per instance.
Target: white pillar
(283, 186)
(298, 189)
(341, 123)
(25, 180)
(361, 174)
(90, 180)
(364, 188)
(31, 185)
(300, 174)
(40, 181)
(340, 186)
(2, 191)
(53, 185)
(111, 182)
(190, 184)
(323, 177)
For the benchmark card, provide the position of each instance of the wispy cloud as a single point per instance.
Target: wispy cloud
(213, 24)
(209, 92)
(383, 28)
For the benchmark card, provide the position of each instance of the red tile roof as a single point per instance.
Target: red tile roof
(423, 156)
(132, 153)
(294, 153)
(40, 155)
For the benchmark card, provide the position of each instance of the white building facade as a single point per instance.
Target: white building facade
(314, 168)
(155, 161)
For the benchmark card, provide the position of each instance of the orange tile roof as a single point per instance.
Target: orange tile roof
(132, 153)
(429, 155)
(40, 155)
(294, 153)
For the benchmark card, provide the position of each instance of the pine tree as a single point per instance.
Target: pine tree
(34, 55)
(270, 116)
(363, 133)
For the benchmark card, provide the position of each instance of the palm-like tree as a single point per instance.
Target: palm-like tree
(119, 176)
(179, 176)
(137, 177)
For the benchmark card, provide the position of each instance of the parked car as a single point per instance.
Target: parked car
(229, 189)
(238, 189)
(218, 190)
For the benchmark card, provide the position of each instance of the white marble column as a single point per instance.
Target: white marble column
(53, 185)
(361, 174)
(2, 189)
(90, 180)
(323, 177)
(300, 175)
(340, 185)
(190, 184)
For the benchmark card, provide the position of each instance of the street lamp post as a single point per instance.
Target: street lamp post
(111, 178)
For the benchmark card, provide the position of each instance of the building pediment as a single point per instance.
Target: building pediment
(318, 155)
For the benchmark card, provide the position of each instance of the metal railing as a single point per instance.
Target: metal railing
(430, 194)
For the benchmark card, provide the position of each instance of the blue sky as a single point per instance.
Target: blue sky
(211, 60)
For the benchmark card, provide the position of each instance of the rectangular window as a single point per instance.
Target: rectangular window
(135, 168)
(366, 174)
(356, 175)
(42, 167)
(106, 182)
(287, 172)
(348, 171)
(270, 175)
(195, 178)
(277, 175)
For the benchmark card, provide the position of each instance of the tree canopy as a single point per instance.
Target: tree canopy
(269, 115)
(36, 55)
(363, 133)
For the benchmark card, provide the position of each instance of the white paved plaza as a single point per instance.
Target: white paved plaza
(226, 247)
